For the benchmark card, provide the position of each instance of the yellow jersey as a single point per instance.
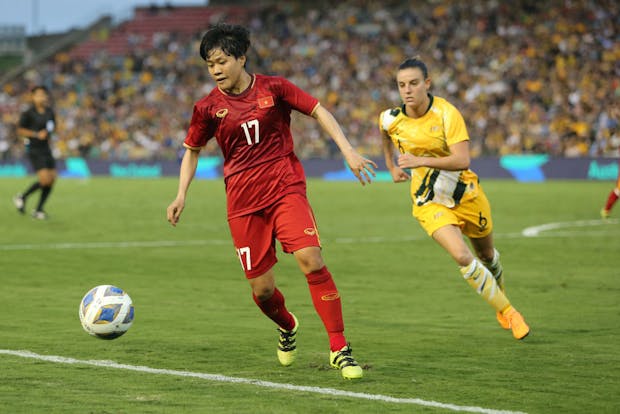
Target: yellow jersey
(431, 136)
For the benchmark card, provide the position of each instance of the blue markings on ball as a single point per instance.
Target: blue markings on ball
(88, 299)
(107, 313)
(129, 316)
(113, 291)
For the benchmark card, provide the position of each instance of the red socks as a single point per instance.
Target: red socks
(276, 311)
(611, 200)
(326, 300)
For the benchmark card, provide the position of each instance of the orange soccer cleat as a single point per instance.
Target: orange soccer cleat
(503, 321)
(520, 329)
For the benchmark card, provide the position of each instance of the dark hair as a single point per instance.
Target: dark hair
(414, 62)
(39, 87)
(234, 40)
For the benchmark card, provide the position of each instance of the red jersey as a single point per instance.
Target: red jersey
(253, 132)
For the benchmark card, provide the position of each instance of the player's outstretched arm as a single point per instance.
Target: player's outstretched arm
(186, 175)
(360, 166)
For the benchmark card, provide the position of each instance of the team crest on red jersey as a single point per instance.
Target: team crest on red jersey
(265, 102)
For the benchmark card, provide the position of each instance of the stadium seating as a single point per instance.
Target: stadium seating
(140, 31)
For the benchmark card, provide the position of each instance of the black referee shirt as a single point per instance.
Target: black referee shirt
(35, 121)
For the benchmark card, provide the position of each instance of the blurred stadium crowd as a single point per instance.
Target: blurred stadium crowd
(528, 76)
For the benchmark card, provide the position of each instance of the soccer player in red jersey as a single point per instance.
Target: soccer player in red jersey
(613, 196)
(249, 116)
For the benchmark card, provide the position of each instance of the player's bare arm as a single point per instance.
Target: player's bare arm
(186, 175)
(398, 174)
(363, 168)
(457, 160)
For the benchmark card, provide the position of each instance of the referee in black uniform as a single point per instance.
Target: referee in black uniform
(36, 125)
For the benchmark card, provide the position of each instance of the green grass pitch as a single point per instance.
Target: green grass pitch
(415, 325)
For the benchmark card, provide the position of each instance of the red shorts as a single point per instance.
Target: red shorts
(289, 220)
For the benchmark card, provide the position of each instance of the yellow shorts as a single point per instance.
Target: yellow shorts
(473, 216)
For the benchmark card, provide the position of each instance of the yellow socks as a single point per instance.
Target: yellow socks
(496, 269)
(481, 279)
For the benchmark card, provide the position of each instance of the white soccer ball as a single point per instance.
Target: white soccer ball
(106, 312)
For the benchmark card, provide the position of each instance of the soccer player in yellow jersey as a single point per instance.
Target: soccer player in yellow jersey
(448, 202)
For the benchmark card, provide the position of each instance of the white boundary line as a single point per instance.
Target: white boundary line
(108, 245)
(535, 231)
(259, 383)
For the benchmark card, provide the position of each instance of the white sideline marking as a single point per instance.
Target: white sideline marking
(536, 230)
(260, 383)
(106, 245)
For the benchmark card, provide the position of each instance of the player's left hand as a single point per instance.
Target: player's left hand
(362, 168)
(399, 175)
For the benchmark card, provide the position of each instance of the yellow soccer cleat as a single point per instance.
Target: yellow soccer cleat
(519, 328)
(604, 214)
(344, 361)
(287, 345)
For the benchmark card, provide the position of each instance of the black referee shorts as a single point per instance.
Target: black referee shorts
(41, 159)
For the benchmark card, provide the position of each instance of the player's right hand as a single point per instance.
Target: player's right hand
(362, 168)
(174, 210)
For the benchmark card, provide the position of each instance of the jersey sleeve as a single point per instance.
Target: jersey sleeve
(454, 125)
(296, 97)
(386, 118)
(201, 129)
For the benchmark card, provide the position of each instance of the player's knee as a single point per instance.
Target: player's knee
(463, 258)
(263, 293)
(312, 265)
(310, 260)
